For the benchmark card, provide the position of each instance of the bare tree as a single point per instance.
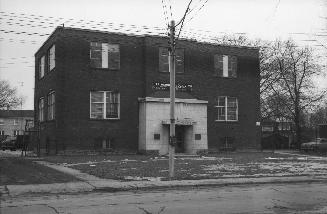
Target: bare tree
(296, 69)
(8, 96)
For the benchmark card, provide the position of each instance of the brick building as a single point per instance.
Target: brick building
(100, 90)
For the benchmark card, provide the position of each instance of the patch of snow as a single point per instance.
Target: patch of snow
(92, 165)
(137, 178)
(89, 162)
(127, 160)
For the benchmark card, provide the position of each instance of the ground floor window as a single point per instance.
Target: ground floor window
(16, 132)
(227, 108)
(41, 109)
(51, 105)
(104, 105)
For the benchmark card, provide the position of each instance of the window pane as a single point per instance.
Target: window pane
(97, 110)
(231, 102)
(179, 61)
(218, 64)
(231, 108)
(41, 67)
(221, 101)
(97, 97)
(96, 54)
(112, 105)
(163, 60)
(52, 62)
(225, 66)
(221, 113)
(232, 66)
(112, 110)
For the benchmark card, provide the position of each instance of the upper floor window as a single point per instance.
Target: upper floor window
(16, 121)
(2, 122)
(52, 58)
(164, 63)
(41, 66)
(104, 105)
(2, 132)
(51, 105)
(227, 109)
(41, 109)
(225, 66)
(104, 55)
(16, 132)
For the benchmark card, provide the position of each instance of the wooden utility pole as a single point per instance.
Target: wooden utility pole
(172, 138)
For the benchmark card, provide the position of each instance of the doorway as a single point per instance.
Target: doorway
(179, 133)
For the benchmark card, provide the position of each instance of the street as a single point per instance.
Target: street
(269, 198)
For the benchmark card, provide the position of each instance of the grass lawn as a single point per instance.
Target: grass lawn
(225, 165)
(25, 171)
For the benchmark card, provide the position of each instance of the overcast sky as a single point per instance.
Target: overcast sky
(24, 22)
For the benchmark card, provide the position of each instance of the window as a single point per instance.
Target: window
(16, 132)
(104, 55)
(52, 58)
(284, 126)
(41, 109)
(225, 66)
(41, 67)
(15, 121)
(267, 128)
(2, 122)
(51, 105)
(227, 109)
(104, 105)
(2, 132)
(164, 63)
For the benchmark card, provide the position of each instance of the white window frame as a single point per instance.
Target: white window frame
(41, 109)
(52, 57)
(2, 132)
(16, 121)
(104, 102)
(51, 103)
(16, 132)
(41, 67)
(226, 109)
(105, 49)
(225, 65)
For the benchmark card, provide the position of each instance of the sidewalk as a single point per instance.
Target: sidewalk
(90, 183)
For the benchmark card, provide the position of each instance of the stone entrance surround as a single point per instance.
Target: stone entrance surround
(154, 124)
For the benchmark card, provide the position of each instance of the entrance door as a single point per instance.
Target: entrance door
(179, 133)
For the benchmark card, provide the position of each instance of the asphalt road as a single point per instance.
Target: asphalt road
(272, 198)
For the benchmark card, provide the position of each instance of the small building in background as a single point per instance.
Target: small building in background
(13, 122)
(277, 134)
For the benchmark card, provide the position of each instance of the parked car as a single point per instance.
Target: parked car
(9, 143)
(318, 145)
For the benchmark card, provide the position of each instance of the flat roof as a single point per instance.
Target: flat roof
(142, 36)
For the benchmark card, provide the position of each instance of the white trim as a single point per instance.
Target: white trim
(225, 65)
(104, 55)
(226, 108)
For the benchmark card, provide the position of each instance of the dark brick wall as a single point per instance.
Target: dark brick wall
(199, 69)
(73, 79)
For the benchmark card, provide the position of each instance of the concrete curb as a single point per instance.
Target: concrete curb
(115, 186)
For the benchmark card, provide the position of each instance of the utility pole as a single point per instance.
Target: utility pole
(172, 139)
